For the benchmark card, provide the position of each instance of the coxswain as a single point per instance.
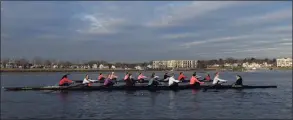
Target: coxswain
(181, 76)
(65, 81)
(194, 81)
(172, 81)
(154, 80)
(238, 81)
(87, 81)
(166, 76)
(141, 78)
(108, 82)
(217, 80)
(101, 77)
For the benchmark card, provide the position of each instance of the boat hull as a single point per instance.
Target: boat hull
(123, 87)
(145, 81)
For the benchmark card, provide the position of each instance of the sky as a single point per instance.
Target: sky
(145, 30)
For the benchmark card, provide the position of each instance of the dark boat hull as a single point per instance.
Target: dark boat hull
(123, 87)
(145, 81)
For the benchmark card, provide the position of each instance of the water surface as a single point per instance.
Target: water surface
(273, 103)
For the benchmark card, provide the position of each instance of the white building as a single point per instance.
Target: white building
(227, 65)
(101, 66)
(251, 65)
(95, 66)
(149, 66)
(175, 64)
(55, 66)
(284, 62)
(160, 64)
(113, 67)
(138, 67)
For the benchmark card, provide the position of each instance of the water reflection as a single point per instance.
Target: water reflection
(153, 98)
(195, 91)
(171, 100)
(64, 96)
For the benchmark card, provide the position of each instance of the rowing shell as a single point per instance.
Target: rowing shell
(145, 81)
(123, 87)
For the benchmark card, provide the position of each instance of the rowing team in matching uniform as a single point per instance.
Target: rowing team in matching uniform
(111, 79)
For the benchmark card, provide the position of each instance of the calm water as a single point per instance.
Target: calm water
(253, 103)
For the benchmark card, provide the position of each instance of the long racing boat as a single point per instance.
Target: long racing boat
(123, 87)
(145, 81)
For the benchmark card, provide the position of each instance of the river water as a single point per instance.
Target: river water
(272, 103)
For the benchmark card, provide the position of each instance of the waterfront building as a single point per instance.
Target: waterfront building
(284, 62)
(175, 64)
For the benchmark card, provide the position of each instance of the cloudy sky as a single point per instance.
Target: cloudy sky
(142, 31)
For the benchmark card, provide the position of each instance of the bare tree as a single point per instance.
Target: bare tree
(38, 60)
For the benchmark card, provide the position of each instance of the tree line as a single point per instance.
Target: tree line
(200, 64)
(221, 62)
(47, 62)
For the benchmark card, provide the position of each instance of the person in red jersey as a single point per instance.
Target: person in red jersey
(101, 77)
(181, 76)
(65, 81)
(194, 81)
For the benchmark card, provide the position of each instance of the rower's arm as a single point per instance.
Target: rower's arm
(93, 80)
(176, 80)
(222, 80)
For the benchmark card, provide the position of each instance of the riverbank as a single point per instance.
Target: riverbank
(123, 70)
(92, 70)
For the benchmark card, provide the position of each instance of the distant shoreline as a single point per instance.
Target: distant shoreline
(5, 70)
(89, 70)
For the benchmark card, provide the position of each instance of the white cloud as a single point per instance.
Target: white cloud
(265, 18)
(178, 13)
(286, 44)
(101, 24)
(222, 39)
(279, 29)
(179, 35)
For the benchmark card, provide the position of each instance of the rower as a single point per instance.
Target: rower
(101, 77)
(238, 82)
(154, 80)
(207, 78)
(181, 76)
(217, 80)
(172, 81)
(87, 81)
(129, 80)
(196, 75)
(126, 76)
(194, 81)
(141, 78)
(108, 82)
(166, 76)
(113, 76)
(65, 81)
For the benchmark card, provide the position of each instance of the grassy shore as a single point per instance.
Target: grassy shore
(282, 68)
(123, 70)
(87, 70)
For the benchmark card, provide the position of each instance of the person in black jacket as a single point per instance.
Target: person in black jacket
(238, 81)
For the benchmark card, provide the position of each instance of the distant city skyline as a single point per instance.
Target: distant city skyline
(143, 31)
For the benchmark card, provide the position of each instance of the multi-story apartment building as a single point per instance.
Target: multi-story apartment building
(284, 62)
(160, 64)
(175, 64)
